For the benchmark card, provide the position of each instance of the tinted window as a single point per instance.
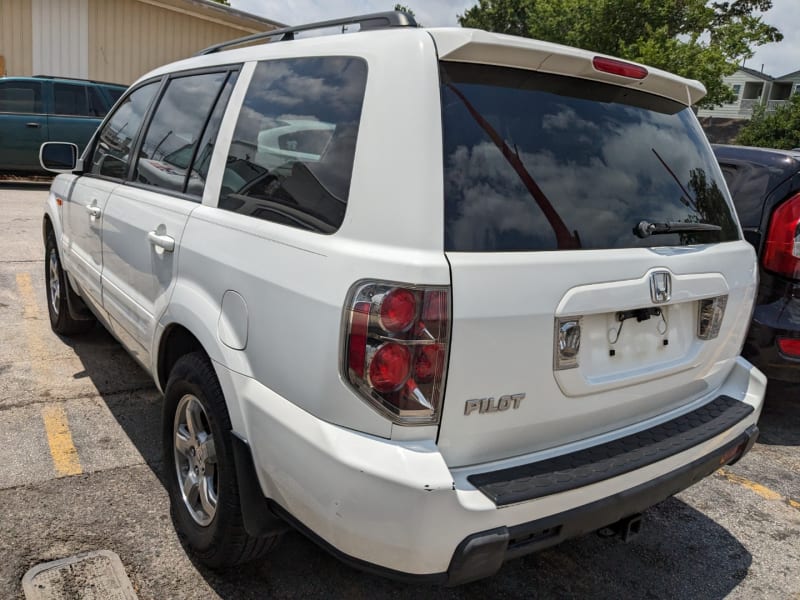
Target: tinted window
(111, 155)
(114, 93)
(20, 96)
(98, 106)
(544, 162)
(202, 157)
(70, 99)
(175, 129)
(291, 157)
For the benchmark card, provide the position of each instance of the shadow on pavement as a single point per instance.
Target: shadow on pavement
(681, 553)
(780, 417)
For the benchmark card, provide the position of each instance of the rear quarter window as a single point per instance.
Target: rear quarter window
(291, 156)
(535, 161)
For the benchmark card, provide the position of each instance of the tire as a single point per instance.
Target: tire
(56, 286)
(208, 517)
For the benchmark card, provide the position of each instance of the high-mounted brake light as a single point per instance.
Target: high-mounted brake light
(395, 348)
(619, 67)
(782, 248)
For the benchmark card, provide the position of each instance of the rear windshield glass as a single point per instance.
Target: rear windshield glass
(535, 161)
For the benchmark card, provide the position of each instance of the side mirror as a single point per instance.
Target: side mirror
(59, 157)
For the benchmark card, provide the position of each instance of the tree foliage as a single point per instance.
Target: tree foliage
(778, 129)
(693, 38)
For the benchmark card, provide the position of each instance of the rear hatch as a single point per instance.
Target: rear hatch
(568, 287)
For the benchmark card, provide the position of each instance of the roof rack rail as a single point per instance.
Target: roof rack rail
(371, 21)
(79, 79)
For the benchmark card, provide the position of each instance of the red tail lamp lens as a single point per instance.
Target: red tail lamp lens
(789, 346)
(398, 310)
(782, 248)
(390, 367)
(429, 363)
(619, 67)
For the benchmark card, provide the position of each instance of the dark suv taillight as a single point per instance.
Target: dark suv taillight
(396, 339)
(782, 248)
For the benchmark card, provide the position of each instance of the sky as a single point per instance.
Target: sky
(778, 59)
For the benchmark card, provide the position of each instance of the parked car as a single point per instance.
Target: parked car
(34, 110)
(495, 300)
(765, 186)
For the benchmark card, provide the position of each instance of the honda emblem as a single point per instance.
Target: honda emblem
(660, 287)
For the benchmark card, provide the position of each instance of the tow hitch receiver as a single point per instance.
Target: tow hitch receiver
(625, 529)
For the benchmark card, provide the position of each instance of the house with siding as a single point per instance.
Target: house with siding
(751, 88)
(112, 40)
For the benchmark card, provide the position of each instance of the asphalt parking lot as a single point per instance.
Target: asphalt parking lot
(81, 471)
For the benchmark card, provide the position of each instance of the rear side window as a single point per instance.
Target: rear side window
(21, 97)
(71, 100)
(114, 93)
(175, 129)
(98, 106)
(111, 156)
(291, 157)
(534, 161)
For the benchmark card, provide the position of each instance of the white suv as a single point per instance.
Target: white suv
(436, 297)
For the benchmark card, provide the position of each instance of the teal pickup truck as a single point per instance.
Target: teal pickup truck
(34, 110)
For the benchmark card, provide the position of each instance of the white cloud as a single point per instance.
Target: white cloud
(778, 59)
(783, 57)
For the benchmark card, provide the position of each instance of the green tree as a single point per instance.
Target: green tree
(693, 38)
(405, 9)
(778, 129)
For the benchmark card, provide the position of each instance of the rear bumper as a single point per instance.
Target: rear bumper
(483, 553)
(395, 508)
(778, 318)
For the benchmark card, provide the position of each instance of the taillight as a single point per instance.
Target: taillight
(789, 346)
(782, 248)
(619, 67)
(395, 348)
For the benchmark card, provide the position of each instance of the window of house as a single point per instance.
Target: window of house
(737, 90)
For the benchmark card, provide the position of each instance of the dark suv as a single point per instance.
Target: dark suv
(765, 185)
(34, 110)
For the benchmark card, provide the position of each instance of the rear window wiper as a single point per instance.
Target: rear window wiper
(646, 229)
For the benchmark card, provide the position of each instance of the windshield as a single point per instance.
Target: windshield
(535, 161)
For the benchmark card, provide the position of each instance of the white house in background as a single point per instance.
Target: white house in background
(752, 88)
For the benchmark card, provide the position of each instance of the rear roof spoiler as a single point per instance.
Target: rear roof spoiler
(476, 46)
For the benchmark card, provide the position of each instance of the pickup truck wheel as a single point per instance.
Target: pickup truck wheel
(56, 285)
(200, 470)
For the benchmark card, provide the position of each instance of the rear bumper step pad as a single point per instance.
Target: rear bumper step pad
(582, 468)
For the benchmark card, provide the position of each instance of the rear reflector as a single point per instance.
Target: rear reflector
(709, 317)
(568, 343)
(789, 346)
(619, 67)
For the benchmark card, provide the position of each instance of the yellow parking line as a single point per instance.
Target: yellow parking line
(759, 489)
(63, 451)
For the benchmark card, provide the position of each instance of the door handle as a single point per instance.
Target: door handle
(94, 211)
(32, 124)
(165, 242)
